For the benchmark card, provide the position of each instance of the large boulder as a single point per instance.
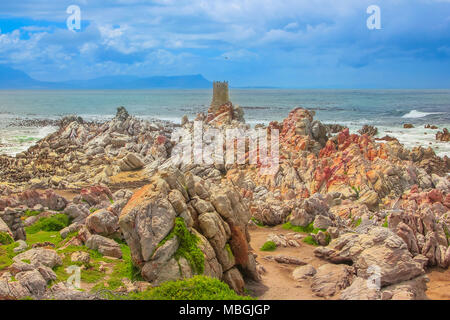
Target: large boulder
(47, 257)
(14, 224)
(303, 272)
(105, 246)
(102, 222)
(331, 278)
(77, 212)
(312, 207)
(131, 161)
(99, 196)
(422, 226)
(160, 218)
(380, 252)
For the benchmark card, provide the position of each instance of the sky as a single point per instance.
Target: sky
(278, 43)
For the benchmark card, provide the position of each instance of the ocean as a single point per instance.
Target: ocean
(388, 110)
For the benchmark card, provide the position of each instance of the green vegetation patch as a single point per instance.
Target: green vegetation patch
(31, 213)
(385, 224)
(230, 252)
(357, 223)
(310, 240)
(357, 191)
(6, 255)
(269, 246)
(188, 246)
(122, 269)
(44, 236)
(446, 231)
(56, 222)
(90, 273)
(257, 222)
(308, 229)
(5, 238)
(197, 288)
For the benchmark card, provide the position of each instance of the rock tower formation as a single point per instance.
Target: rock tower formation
(222, 110)
(220, 94)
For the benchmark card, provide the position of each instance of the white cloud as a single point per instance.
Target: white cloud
(178, 36)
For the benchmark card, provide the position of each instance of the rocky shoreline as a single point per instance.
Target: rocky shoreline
(372, 209)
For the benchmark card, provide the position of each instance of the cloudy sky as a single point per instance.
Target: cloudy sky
(281, 43)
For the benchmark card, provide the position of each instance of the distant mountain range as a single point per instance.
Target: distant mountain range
(14, 79)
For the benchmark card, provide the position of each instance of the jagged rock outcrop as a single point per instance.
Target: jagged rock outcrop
(194, 218)
(214, 214)
(11, 218)
(131, 162)
(31, 198)
(330, 279)
(443, 136)
(349, 170)
(380, 249)
(422, 221)
(369, 130)
(66, 158)
(32, 272)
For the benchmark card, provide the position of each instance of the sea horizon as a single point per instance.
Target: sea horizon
(386, 109)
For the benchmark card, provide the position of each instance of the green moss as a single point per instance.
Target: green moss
(56, 222)
(188, 247)
(91, 273)
(122, 269)
(6, 255)
(310, 240)
(268, 246)
(31, 213)
(447, 232)
(257, 222)
(308, 229)
(385, 224)
(92, 210)
(26, 261)
(358, 222)
(357, 191)
(44, 236)
(230, 253)
(166, 238)
(5, 238)
(94, 254)
(196, 288)
(5, 261)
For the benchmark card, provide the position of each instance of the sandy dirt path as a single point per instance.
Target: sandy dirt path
(278, 283)
(439, 285)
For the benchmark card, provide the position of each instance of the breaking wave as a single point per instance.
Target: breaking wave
(418, 114)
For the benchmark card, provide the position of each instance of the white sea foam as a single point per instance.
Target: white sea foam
(15, 140)
(418, 114)
(415, 137)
